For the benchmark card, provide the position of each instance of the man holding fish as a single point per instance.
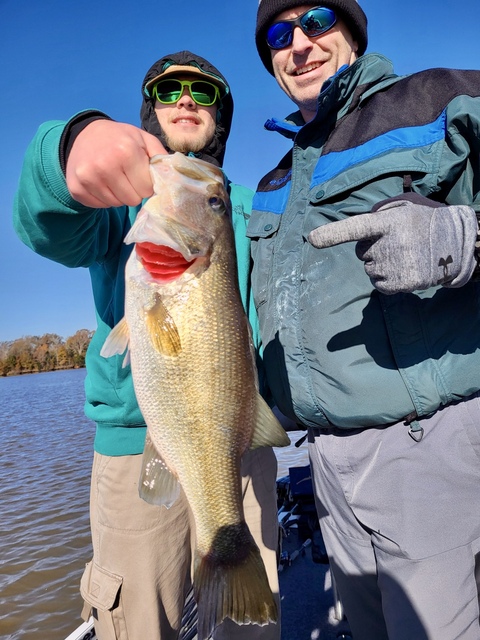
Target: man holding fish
(208, 456)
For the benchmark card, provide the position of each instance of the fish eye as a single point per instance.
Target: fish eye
(216, 203)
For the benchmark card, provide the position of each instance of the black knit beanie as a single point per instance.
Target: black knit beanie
(348, 10)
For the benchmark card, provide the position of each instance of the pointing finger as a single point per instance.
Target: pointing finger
(361, 227)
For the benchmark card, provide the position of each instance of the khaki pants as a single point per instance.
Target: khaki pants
(140, 574)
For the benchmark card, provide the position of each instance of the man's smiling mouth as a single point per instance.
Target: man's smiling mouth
(309, 67)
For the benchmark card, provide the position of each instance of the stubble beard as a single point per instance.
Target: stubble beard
(185, 144)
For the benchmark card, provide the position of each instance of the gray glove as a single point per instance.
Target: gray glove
(409, 243)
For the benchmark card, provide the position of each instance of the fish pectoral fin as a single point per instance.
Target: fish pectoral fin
(268, 431)
(117, 341)
(126, 360)
(163, 330)
(157, 484)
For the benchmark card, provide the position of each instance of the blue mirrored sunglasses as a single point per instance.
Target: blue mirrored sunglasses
(313, 23)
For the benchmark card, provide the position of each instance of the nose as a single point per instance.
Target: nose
(300, 41)
(186, 100)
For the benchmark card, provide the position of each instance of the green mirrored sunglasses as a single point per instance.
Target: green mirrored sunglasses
(170, 90)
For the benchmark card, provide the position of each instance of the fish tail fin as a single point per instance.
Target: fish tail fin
(232, 585)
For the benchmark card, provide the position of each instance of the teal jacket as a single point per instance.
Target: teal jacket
(48, 220)
(336, 351)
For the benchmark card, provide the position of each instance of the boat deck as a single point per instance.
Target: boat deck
(309, 608)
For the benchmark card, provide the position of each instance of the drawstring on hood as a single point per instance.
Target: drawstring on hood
(214, 152)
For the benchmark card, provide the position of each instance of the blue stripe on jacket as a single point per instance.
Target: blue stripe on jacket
(272, 201)
(334, 163)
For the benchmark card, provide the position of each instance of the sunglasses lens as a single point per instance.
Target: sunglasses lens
(204, 93)
(168, 91)
(279, 35)
(313, 23)
(317, 21)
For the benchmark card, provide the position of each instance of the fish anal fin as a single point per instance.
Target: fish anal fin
(268, 431)
(117, 341)
(230, 581)
(163, 330)
(157, 484)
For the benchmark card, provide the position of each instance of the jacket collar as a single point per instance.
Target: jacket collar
(341, 93)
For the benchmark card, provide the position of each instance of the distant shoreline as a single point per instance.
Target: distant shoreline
(39, 354)
(11, 374)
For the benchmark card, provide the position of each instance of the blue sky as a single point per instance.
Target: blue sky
(60, 56)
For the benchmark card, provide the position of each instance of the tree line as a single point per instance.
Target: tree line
(50, 352)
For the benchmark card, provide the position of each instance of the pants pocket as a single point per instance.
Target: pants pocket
(101, 591)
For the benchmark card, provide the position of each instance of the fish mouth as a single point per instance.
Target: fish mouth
(163, 263)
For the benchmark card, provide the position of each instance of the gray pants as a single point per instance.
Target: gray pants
(401, 523)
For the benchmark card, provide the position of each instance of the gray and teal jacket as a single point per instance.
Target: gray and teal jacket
(336, 351)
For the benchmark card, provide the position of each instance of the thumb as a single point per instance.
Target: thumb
(138, 171)
(361, 227)
(153, 146)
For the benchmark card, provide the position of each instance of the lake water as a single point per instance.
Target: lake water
(46, 447)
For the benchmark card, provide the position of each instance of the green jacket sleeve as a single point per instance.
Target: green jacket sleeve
(46, 217)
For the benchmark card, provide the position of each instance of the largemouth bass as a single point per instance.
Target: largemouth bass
(193, 368)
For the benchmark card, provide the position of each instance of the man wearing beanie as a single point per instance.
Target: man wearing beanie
(80, 190)
(365, 245)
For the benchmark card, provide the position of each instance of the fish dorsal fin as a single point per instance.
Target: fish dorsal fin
(268, 431)
(157, 484)
(117, 342)
(163, 330)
